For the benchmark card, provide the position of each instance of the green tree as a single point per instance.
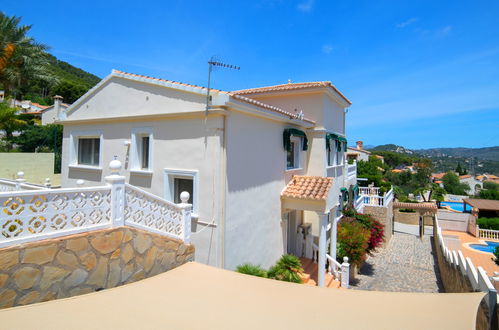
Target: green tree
(22, 59)
(452, 184)
(9, 122)
(70, 91)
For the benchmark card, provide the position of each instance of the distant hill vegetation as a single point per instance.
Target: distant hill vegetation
(70, 83)
(489, 153)
(475, 160)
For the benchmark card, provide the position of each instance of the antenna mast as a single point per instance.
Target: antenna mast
(214, 63)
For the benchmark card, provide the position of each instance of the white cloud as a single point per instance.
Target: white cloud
(306, 6)
(443, 31)
(406, 23)
(327, 49)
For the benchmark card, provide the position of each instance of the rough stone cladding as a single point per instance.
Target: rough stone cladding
(384, 215)
(83, 263)
(454, 281)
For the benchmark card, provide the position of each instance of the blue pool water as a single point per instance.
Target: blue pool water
(490, 247)
(456, 206)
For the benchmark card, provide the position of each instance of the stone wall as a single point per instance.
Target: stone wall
(383, 215)
(454, 281)
(83, 263)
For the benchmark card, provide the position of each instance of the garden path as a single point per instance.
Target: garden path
(406, 264)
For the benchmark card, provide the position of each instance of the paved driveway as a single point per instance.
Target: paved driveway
(406, 264)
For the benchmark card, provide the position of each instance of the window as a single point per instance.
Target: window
(339, 152)
(180, 185)
(141, 151)
(177, 181)
(88, 151)
(85, 149)
(293, 154)
(330, 157)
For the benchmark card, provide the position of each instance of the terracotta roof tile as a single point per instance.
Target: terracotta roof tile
(291, 86)
(308, 187)
(438, 175)
(483, 204)
(465, 176)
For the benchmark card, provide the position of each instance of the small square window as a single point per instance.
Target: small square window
(88, 151)
(180, 185)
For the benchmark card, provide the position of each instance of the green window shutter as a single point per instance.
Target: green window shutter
(286, 136)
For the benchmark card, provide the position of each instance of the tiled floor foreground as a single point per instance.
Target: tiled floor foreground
(406, 264)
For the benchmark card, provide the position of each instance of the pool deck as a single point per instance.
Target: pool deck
(479, 258)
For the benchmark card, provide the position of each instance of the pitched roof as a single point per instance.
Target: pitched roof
(289, 87)
(438, 175)
(308, 187)
(237, 97)
(483, 204)
(465, 176)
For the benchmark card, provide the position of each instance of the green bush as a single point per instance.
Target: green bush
(251, 269)
(353, 240)
(286, 269)
(488, 223)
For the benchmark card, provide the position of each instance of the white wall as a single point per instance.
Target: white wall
(118, 96)
(177, 144)
(48, 116)
(256, 164)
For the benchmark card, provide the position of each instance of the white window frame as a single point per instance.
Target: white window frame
(298, 141)
(135, 150)
(73, 148)
(171, 174)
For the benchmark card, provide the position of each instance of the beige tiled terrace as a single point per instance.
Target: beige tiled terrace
(483, 259)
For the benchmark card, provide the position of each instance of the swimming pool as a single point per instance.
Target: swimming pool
(490, 247)
(456, 206)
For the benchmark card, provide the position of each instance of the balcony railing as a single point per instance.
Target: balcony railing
(36, 215)
(370, 196)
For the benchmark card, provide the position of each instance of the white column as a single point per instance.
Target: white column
(186, 215)
(20, 180)
(117, 183)
(345, 273)
(321, 273)
(334, 234)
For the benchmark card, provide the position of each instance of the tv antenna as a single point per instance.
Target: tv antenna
(214, 63)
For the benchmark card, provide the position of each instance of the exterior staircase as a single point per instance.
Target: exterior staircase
(309, 275)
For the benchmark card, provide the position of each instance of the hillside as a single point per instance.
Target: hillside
(70, 82)
(490, 153)
(475, 160)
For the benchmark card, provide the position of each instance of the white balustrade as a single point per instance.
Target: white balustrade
(352, 170)
(370, 196)
(47, 213)
(35, 215)
(477, 277)
(488, 233)
(150, 212)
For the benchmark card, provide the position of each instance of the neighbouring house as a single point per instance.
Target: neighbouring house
(265, 167)
(474, 184)
(50, 114)
(358, 153)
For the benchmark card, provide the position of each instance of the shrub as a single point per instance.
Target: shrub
(496, 255)
(286, 269)
(488, 223)
(251, 269)
(375, 228)
(353, 240)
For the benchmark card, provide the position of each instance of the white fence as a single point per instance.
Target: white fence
(477, 276)
(339, 271)
(370, 196)
(352, 170)
(37, 215)
(488, 233)
(18, 185)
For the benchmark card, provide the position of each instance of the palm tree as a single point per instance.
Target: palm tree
(22, 59)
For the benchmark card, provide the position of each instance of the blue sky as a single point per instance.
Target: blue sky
(419, 73)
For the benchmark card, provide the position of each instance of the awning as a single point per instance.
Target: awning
(195, 296)
(483, 204)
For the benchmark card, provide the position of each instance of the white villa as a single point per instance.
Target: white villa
(265, 167)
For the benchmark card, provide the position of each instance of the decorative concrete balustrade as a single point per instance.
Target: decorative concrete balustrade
(20, 184)
(371, 196)
(47, 213)
(488, 233)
